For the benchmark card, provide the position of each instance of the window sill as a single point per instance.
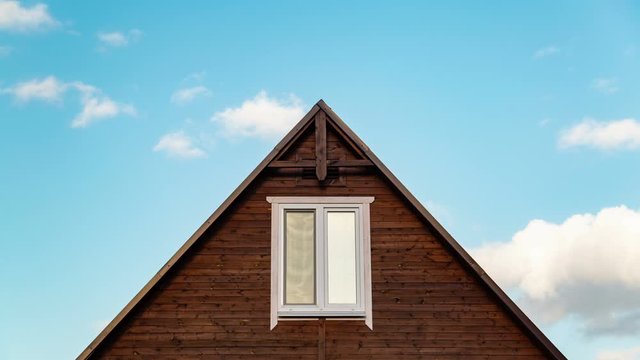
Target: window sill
(323, 314)
(328, 318)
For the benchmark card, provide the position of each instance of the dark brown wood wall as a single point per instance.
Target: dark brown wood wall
(214, 304)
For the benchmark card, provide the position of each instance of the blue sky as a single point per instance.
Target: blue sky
(124, 125)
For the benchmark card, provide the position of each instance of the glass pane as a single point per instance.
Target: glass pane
(341, 257)
(300, 276)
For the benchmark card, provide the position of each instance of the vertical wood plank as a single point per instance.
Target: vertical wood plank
(321, 145)
(321, 338)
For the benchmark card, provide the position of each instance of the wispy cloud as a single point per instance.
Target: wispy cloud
(17, 18)
(588, 266)
(604, 135)
(631, 50)
(98, 107)
(116, 39)
(195, 76)
(545, 52)
(544, 122)
(49, 89)
(94, 104)
(187, 95)
(5, 50)
(261, 116)
(626, 354)
(178, 144)
(605, 85)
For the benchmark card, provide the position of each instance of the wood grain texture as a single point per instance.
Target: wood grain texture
(214, 303)
(321, 146)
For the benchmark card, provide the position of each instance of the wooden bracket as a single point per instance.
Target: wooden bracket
(321, 145)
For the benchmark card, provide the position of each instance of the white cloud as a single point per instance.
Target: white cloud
(545, 52)
(5, 50)
(179, 145)
(15, 17)
(605, 85)
(95, 105)
(186, 95)
(606, 135)
(118, 39)
(588, 266)
(261, 116)
(48, 89)
(84, 89)
(627, 354)
(96, 108)
(113, 39)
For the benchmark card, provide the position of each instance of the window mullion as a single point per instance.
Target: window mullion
(360, 257)
(321, 258)
(281, 244)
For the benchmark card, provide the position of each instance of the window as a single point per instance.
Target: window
(320, 258)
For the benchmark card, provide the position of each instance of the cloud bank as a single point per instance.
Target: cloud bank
(587, 266)
(627, 354)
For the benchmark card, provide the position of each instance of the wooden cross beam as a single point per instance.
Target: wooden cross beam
(312, 164)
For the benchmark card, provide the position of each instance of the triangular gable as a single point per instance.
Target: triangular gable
(357, 154)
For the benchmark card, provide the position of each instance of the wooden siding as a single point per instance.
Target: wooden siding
(214, 303)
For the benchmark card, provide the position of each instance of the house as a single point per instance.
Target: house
(321, 253)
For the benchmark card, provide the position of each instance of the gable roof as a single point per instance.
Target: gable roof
(507, 304)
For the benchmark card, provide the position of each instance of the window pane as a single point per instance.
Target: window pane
(341, 257)
(299, 257)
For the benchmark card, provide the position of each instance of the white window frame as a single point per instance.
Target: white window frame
(321, 205)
